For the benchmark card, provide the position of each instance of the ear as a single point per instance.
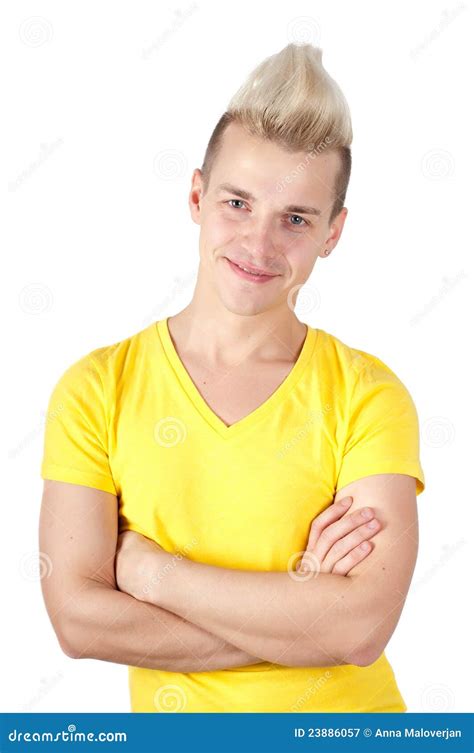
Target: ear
(335, 231)
(196, 196)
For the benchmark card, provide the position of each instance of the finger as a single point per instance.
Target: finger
(340, 528)
(309, 563)
(335, 511)
(312, 561)
(345, 545)
(344, 566)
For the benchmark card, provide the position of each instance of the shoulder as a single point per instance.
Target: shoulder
(356, 367)
(106, 364)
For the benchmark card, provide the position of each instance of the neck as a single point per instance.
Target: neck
(223, 338)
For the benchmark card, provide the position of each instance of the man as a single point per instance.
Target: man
(216, 447)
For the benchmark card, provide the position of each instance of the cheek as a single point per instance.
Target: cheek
(301, 256)
(217, 231)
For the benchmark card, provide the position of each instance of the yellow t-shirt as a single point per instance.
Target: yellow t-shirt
(128, 419)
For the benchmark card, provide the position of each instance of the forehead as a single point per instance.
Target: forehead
(264, 168)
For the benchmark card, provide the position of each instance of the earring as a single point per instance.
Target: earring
(326, 252)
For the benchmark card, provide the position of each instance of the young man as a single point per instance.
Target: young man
(216, 446)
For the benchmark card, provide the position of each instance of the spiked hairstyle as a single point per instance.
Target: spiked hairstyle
(290, 99)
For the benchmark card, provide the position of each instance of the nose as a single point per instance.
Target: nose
(260, 244)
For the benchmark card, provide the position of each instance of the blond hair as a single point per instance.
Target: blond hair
(290, 99)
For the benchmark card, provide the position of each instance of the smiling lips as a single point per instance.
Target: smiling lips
(249, 272)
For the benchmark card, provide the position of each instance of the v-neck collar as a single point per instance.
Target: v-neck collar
(162, 329)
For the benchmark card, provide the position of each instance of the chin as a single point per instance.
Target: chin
(240, 306)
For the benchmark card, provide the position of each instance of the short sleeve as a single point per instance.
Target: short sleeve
(75, 437)
(382, 428)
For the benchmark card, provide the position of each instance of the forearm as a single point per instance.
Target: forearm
(103, 623)
(295, 622)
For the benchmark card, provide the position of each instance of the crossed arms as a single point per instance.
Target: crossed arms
(187, 616)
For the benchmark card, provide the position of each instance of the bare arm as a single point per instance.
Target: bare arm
(327, 620)
(91, 618)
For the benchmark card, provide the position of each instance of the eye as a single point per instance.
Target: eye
(229, 200)
(299, 224)
(302, 223)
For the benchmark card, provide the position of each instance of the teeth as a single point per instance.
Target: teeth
(249, 271)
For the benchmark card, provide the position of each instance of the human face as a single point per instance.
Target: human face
(267, 210)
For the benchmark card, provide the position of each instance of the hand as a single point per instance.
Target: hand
(136, 560)
(335, 545)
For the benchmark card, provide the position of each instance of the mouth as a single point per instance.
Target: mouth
(250, 273)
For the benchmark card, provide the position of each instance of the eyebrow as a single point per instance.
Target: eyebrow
(302, 209)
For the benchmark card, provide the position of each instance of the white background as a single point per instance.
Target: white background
(107, 109)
